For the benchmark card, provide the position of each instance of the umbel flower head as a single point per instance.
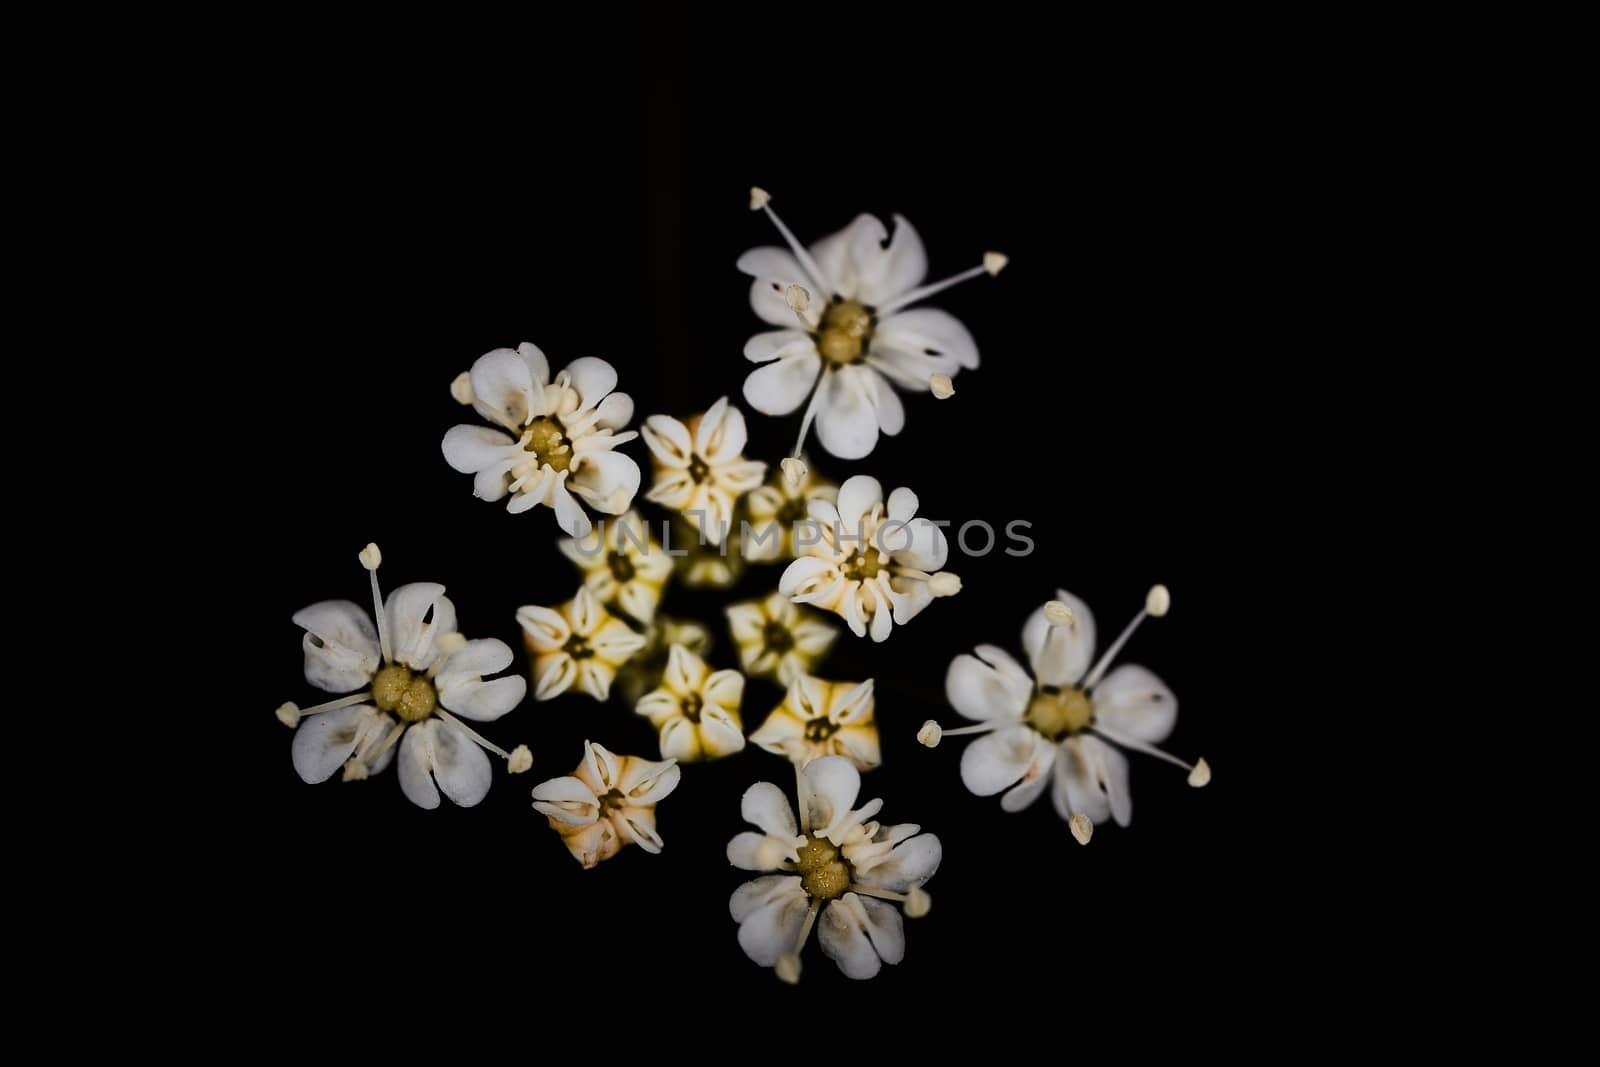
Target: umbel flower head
(696, 710)
(778, 639)
(819, 718)
(869, 566)
(1065, 723)
(561, 435)
(580, 643)
(608, 802)
(847, 330)
(837, 870)
(700, 469)
(775, 508)
(412, 676)
(623, 566)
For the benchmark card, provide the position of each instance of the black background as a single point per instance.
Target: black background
(585, 188)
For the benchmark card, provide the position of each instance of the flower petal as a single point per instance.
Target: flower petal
(470, 449)
(720, 435)
(777, 344)
(567, 800)
(1000, 759)
(746, 848)
(417, 614)
(647, 782)
(668, 440)
(462, 687)
(554, 674)
(592, 378)
(774, 270)
(538, 365)
(779, 388)
(910, 863)
(852, 258)
(847, 422)
(324, 741)
(927, 332)
(858, 496)
(897, 269)
(546, 628)
(832, 784)
(614, 412)
(502, 390)
(607, 481)
(1133, 702)
(341, 645)
(600, 769)
(765, 806)
(1065, 657)
(759, 892)
(772, 929)
(843, 933)
(983, 691)
(457, 763)
(1081, 769)
(638, 825)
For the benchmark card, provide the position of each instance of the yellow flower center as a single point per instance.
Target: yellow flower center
(401, 692)
(545, 438)
(578, 647)
(621, 567)
(699, 470)
(777, 638)
(691, 707)
(1056, 712)
(861, 566)
(823, 872)
(845, 330)
(820, 729)
(611, 803)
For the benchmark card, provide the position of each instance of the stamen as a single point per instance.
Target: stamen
(979, 728)
(446, 645)
(917, 902)
(805, 420)
(482, 741)
(772, 854)
(290, 714)
(930, 734)
(1158, 597)
(1199, 771)
(461, 388)
(794, 471)
(796, 751)
(372, 559)
(944, 584)
(354, 771)
(788, 967)
(993, 263)
(388, 742)
(1058, 613)
(1082, 828)
(941, 385)
(760, 200)
(521, 759)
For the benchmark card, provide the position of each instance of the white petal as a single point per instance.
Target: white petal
(592, 378)
(918, 544)
(910, 863)
(547, 629)
(615, 412)
(418, 613)
(556, 673)
(341, 645)
(469, 449)
(831, 787)
(463, 690)
(847, 422)
(902, 505)
(567, 800)
(852, 256)
(774, 270)
(721, 435)
(750, 851)
(646, 782)
(414, 764)
(538, 365)
(668, 440)
(759, 892)
(998, 760)
(776, 344)
(678, 738)
(857, 497)
(1078, 780)
(981, 692)
(779, 732)
(1070, 649)
(638, 825)
(765, 806)
(899, 268)
(771, 930)
(608, 481)
(842, 931)
(891, 413)
(569, 515)
(459, 766)
(1133, 702)
(502, 389)
(600, 769)
(324, 741)
(927, 332)
(724, 689)
(780, 388)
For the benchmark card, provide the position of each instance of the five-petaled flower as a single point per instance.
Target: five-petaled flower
(562, 435)
(850, 295)
(1055, 725)
(696, 710)
(580, 643)
(838, 870)
(700, 469)
(819, 718)
(608, 802)
(414, 675)
(869, 566)
(623, 565)
(778, 639)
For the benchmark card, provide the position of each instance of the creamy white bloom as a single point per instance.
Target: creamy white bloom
(413, 675)
(608, 802)
(819, 718)
(700, 469)
(778, 639)
(580, 643)
(696, 710)
(847, 330)
(623, 565)
(562, 436)
(1064, 723)
(837, 869)
(868, 565)
(775, 508)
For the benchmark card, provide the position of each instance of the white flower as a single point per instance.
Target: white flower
(1055, 725)
(819, 718)
(699, 467)
(838, 870)
(414, 675)
(696, 710)
(622, 565)
(870, 568)
(578, 643)
(608, 802)
(775, 508)
(778, 640)
(561, 436)
(849, 293)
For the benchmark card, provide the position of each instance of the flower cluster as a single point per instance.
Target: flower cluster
(849, 334)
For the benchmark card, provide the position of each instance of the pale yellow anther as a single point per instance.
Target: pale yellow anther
(289, 714)
(918, 903)
(450, 644)
(995, 262)
(788, 968)
(521, 759)
(1082, 828)
(1201, 774)
(758, 198)
(930, 734)
(797, 298)
(371, 558)
(944, 584)
(354, 771)
(794, 471)
(1058, 613)
(770, 854)
(941, 385)
(461, 388)
(1158, 601)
